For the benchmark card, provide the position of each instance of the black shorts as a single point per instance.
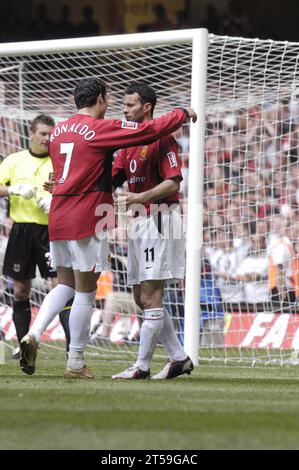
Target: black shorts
(28, 246)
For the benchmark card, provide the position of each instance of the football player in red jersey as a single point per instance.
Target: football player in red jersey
(81, 150)
(155, 239)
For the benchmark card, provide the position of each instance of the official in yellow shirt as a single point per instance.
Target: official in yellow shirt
(22, 175)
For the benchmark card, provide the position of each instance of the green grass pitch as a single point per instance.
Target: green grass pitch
(218, 407)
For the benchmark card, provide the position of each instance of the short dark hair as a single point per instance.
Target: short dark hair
(87, 92)
(145, 92)
(42, 119)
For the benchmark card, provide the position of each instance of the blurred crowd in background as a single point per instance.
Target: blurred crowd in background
(251, 204)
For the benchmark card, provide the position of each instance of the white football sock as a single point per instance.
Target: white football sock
(170, 340)
(79, 323)
(53, 303)
(149, 334)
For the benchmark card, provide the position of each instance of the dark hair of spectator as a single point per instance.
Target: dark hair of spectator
(41, 119)
(87, 92)
(145, 92)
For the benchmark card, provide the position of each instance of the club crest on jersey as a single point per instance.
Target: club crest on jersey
(129, 125)
(144, 152)
(172, 160)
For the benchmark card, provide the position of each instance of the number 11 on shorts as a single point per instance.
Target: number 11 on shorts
(147, 251)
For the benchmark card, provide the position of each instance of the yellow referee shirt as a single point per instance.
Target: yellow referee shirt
(24, 167)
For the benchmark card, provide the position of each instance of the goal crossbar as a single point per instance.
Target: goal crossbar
(101, 42)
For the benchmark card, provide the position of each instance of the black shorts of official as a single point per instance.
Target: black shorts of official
(28, 247)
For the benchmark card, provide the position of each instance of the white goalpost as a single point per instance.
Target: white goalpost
(240, 193)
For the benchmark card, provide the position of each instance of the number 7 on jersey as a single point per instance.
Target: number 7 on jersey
(66, 149)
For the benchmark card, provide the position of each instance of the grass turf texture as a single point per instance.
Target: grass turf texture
(217, 407)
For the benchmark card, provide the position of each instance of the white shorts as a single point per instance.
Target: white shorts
(87, 254)
(156, 248)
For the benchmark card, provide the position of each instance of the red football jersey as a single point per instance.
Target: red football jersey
(81, 150)
(144, 167)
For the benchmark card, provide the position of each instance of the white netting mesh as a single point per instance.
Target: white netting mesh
(251, 197)
(249, 283)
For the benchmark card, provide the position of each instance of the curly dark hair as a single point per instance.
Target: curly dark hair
(87, 92)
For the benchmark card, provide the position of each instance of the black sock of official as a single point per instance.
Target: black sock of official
(64, 316)
(21, 317)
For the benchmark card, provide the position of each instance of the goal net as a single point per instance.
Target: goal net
(248, 284)
(251, 201)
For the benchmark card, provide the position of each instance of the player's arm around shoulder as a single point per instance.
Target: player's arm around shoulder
(113, 134)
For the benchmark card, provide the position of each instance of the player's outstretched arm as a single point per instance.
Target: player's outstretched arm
(120, 134)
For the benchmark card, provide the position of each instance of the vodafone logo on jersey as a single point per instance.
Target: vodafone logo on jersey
(133, 166)
(137, 179)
